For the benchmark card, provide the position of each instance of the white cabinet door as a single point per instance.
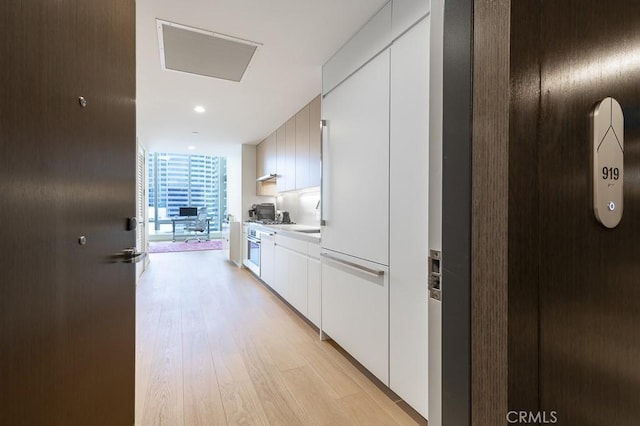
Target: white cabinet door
(313, 291)
(291, 277)
(245, 252)
(355, 311)
(297, 281)
(373, 37)
(281, 274)
(405, 13)
(267, 259)
(356, 164)
(409, 179)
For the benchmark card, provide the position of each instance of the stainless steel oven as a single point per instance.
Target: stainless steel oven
(253, 250)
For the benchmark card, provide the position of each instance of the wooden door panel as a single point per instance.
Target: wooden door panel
(585, 276)
(590, 297)
(68, 320)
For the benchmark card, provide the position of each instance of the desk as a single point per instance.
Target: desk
(188, 220)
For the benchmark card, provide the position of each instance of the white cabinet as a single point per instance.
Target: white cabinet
(376, 197)
(243, 242)
(356, 164)
(297, 281)
(408, 232)
(281, 275)
(235, 241)
(373, 37)
(355, 310)
(313, 289)
(267, 258)
(406, 13)
(292, 272)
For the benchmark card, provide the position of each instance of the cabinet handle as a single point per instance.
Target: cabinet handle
(323, 125)
(360, 268)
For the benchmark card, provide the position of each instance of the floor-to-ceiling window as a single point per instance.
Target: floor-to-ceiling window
(183, 180)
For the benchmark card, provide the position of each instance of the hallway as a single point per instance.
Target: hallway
(216, 347)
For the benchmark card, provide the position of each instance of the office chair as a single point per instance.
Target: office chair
(199, 225)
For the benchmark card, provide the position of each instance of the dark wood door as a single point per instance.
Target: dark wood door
(67, 311)
(574, 285)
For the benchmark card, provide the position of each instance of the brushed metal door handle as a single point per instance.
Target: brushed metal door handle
(131, 255)
(355, 266)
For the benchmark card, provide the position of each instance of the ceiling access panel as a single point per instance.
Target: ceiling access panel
(203, 52)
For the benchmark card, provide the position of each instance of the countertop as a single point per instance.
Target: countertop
(291, 230)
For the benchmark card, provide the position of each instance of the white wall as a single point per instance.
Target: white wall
(301, 206)
(234, 182)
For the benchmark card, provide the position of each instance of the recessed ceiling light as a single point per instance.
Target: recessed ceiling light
(191, 148)
(195, 133)
(199, 109)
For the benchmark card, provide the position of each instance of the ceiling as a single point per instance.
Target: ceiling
(297, 37)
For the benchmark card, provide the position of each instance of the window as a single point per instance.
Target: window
(180, 180)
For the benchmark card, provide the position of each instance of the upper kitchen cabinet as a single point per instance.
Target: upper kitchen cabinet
(405, 13)
(308, 145)
(266, 162)
(373, 38)
(395, 18)
(302, 148)
(297, 148)
(281, 158)
(289, 171)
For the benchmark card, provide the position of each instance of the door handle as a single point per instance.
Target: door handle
(373, 272)
(131, 255)
(323, 138)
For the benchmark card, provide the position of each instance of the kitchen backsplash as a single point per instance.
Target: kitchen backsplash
(301, 206)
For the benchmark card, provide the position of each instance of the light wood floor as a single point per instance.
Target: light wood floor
(215, 347)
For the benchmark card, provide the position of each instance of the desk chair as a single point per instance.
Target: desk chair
(199, 225)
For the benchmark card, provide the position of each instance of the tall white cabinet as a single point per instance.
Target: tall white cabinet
(409, 206)
(356, 164)
(375, 198)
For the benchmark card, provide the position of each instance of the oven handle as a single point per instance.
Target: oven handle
(253, 239)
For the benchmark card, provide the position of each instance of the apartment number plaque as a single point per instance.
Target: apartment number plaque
(607, 165)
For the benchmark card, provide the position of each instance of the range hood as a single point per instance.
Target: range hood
(265, 178)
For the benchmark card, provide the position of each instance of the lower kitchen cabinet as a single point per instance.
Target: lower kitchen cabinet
(297, 281)
(291, 277)
(355, 310)
(291, 267)
(281, 273)
(243, 242)
(313, 291)
(267, 259)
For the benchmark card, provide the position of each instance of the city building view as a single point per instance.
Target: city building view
(183, 180)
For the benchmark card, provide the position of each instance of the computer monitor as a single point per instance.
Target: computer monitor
(188, 211)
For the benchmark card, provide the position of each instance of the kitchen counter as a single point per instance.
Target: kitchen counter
(291, 230)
